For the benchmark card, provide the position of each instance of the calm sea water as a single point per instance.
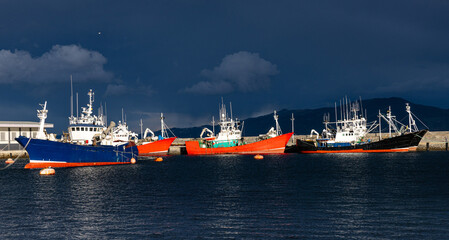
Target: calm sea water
(341, 196)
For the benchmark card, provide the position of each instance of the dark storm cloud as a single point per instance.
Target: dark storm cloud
(55, 65)
(242, 71)
(299, 54)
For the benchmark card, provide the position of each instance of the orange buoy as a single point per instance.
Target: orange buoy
(47, 171)
(258, 157)
(159, 159)
(9, 161)
(133, 160)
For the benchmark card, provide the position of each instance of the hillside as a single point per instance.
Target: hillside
(436, 119)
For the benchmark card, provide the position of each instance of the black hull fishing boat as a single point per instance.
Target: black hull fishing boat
(404, 143)
(350, 134)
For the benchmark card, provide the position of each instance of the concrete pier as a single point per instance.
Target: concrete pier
(13, 154)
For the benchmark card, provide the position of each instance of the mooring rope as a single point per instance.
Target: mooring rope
(4, 148)
(20, 155)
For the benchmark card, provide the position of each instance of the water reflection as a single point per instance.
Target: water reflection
(375, 196)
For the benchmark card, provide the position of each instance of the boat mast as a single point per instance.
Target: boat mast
(213, 125)
(293, 128)
(411, 121)
(71, 97)
(91, 100)
(389, 120)
(335, 111)
(42, 115)
(162, 126)
(341, 113)
(347, 109)
(141, 128)
(230, 108)
(278, 128)
(361, 106)
(407, 109)
(380, 126)
(76, 104)
(105, 114)
(293, 123)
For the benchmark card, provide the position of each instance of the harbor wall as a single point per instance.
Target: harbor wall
(432, 141)
(13, 154)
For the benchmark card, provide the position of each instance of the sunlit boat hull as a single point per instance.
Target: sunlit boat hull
(45, 153)
(268, 146)
(159, 147)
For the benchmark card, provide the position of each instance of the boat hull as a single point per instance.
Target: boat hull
(159, 147)
(404, 143)
(45, 153)
(268, 146)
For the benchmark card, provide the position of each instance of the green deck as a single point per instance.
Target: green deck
(220, 144)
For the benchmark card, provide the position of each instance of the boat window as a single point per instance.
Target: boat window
(73, 129)
(77, 128)
(82, 129)
(91, 129)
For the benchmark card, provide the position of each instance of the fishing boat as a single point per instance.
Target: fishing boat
(87, 129)
(230, 141)
(155, 145)
(46, 151)
(349, 134)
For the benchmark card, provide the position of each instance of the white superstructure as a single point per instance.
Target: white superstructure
(82, 129)
(119, 134)
(351, 128)
(229, 128)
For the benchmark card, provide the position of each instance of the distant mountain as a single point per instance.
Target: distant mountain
(436, 119)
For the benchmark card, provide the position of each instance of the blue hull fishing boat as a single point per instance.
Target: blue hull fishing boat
(47, 153)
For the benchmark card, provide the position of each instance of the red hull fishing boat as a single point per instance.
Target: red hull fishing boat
(159, 147)
(267, 146)
(230, 141)
(156, 145)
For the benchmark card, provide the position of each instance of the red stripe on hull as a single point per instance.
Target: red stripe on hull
(156, 148)
(59, 164)
(268, 146)
(361, 151)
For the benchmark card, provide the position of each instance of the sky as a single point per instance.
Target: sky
(182, 57)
